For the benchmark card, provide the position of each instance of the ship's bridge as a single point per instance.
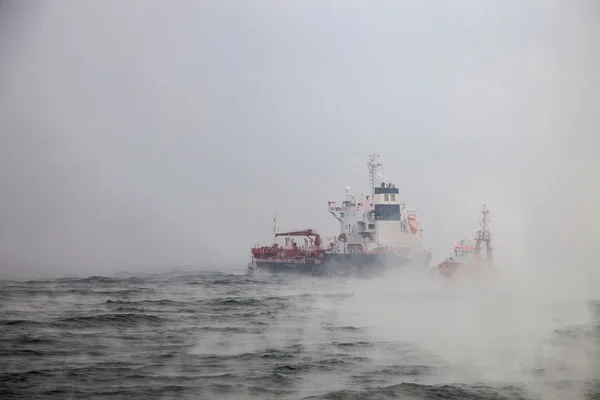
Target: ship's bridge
(387, 203)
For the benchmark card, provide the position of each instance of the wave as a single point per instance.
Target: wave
(114, 320)
(419, 391)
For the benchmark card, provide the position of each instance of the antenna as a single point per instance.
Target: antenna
(374, 167)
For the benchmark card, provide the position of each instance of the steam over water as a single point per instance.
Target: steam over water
(185, 335)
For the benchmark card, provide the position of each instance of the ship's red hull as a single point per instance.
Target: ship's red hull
(448, 269)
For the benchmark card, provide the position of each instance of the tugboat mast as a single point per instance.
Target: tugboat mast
(484, 236)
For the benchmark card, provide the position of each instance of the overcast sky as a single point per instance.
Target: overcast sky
(161, 133)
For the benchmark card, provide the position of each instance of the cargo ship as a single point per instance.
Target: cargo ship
(468, 257)
(376, 232)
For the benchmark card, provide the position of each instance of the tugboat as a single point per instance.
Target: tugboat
(377, 232)
(468, 257)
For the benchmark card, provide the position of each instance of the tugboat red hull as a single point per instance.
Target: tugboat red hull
(448, 269)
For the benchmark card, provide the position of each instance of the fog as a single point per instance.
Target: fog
(148, 134)
(499, 333)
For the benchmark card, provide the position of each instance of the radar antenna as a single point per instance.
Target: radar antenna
(374, 168)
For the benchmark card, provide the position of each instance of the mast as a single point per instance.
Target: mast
(374, 168)
(484, 236)
(488, 244)
(275, 228)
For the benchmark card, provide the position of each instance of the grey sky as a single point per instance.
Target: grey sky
(157, 133)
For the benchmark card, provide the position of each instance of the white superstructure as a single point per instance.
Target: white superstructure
(378, 221)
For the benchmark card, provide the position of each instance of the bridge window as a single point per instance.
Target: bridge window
(393, 197)
(386, 197)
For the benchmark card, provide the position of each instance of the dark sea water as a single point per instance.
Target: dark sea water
(188, 335)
